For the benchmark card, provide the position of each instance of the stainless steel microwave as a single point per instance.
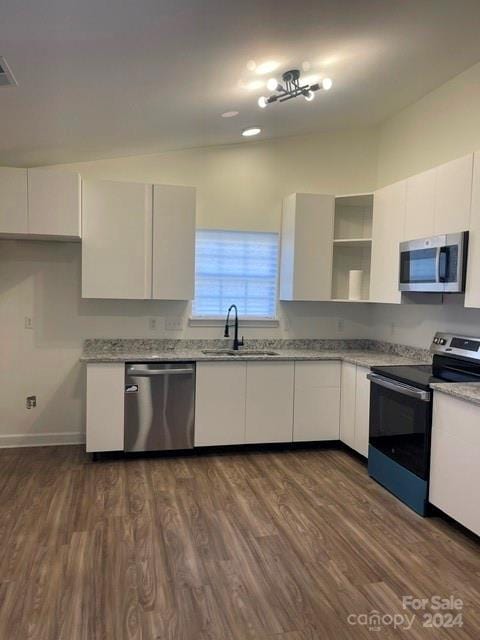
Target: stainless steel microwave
(435, 264)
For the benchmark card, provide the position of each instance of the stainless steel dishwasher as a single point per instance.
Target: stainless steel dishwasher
(159, 406)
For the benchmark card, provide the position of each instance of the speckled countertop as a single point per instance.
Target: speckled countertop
(365, 353)
(469, 391)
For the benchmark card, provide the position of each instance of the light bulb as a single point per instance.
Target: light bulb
(272, 84)
(262, 102)
(309, 96)
(327, 84)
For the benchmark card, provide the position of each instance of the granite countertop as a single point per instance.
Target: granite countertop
(469, 391)
(361, 352)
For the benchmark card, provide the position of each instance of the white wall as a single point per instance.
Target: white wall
(242, 186)
(443, 125)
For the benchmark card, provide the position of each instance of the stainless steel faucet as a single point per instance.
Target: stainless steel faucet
(236, 342)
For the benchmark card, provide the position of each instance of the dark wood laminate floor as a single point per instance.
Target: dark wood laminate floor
(248, 546)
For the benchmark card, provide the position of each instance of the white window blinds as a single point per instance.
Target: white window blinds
(235, 267)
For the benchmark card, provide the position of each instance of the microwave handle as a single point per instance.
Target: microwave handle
(442, 264)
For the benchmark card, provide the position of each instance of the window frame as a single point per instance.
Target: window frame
(217, 320)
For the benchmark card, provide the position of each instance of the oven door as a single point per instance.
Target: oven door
(400, 423)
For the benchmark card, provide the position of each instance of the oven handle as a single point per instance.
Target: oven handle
(404, 389)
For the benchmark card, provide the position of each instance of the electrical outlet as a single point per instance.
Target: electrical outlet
(152, 324)
(340, 325)
(28, 322)
(31, 402)
(173, 323)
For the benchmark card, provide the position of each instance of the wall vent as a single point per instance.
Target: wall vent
(7, 79)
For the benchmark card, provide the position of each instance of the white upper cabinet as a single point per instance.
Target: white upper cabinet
(453, 195)
(173, 242)
(387, 233)
(307, 243)
(438, 200)
(13, 201)
(54, 203)
(420, 205)
(116, 240)
(472, 290)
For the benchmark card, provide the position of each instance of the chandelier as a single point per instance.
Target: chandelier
(292, 88)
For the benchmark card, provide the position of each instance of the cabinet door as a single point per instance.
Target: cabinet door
(54, 203)
(362, 411)
(220, 403)
(420, 205)
(13, 201)
(387, 233)
(317, 401)
(347, 404)
(116, 240)
(307, 245)
(173, 242)
(472, 289)
(105, 406)
(454, 469)
(269, 406)
(453, 195)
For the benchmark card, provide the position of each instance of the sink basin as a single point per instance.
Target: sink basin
(240, 352)
(218, 352)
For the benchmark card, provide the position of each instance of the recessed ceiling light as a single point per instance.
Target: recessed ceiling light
(251, 65)
(251, 131)
(229, 114)
(267, 67)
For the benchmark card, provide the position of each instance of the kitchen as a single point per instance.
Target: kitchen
(120, 259)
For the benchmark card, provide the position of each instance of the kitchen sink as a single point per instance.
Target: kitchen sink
(240, 352)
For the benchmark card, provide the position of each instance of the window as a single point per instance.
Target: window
(235, 267)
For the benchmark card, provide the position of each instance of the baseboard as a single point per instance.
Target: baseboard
(41, 439)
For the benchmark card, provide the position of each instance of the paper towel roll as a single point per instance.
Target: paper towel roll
(355, 284)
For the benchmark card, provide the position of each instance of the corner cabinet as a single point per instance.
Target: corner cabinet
(307, 240)
(138, 241)
(355, 407)
(387, 233)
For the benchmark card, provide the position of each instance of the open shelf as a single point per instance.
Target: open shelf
(352, 244)
(352, 241)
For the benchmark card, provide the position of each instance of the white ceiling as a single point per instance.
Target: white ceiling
(101, 78)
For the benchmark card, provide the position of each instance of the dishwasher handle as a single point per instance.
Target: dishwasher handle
(147, 373)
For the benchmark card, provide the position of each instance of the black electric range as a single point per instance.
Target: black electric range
(401, 415)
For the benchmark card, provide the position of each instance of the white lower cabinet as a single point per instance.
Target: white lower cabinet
(269, 402)
(454, 469)
(105, 406)
(355, 407)
(317, 401)
(220, 403)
